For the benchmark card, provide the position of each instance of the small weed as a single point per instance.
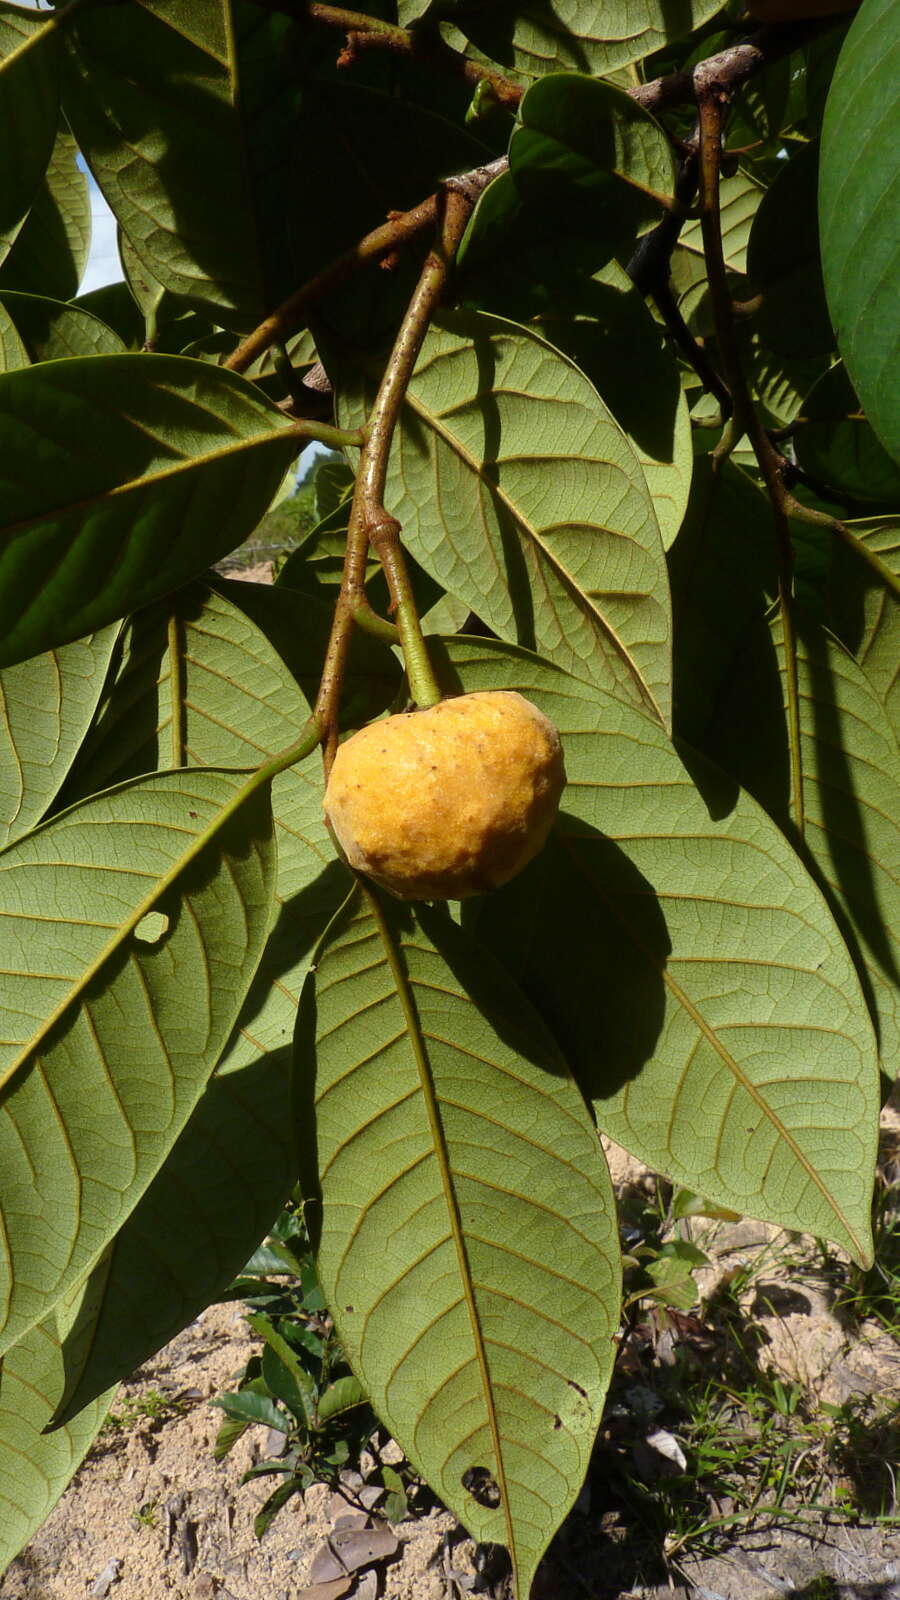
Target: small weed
(756, 1449)
(145, 1516)
(873, 1293)
(300, 1385)
(151, 1406)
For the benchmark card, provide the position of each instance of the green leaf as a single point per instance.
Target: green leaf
(51, 249)
(586, 147)
(221, 88)
(541, 36)
(245, 1406)
(704, 997)
(345, 1394)
(282, 1372)
(724, 575)
(13, 353)
(518, 492)
(858, 194)
(114, 304)
(866, 614)
(35, 1466)
(672, 1274)
(198, 665)
(46, 707)
(615, 341)
(112, 1035)
(468, 1245)
(838, 446)
(850, 763)
(333, 483)
(52, 330)
(783, 262)
(167, 463)
(386, 152)
(227, 1437)
(517, 268)
(298, 625)
(29, 111)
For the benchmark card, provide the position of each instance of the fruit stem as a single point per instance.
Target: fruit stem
(384, 530)
(370, 522)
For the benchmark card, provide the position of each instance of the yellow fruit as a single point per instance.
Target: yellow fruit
(448, 802)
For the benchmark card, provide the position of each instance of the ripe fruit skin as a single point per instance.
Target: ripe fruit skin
(449, 802)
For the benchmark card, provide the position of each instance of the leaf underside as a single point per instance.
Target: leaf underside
(149, 907)
(705, 975)
(468, 1244)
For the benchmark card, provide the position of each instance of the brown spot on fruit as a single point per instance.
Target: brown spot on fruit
(448, 802)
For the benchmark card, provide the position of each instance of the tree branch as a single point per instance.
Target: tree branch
(729, 69)
(368, 500)
(423, 44)
(403, 226)
(370, 522)
(713, 98)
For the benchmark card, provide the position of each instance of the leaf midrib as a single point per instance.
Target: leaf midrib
(403, 984)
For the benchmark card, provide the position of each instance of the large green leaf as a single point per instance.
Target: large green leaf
(149, 907)
(220, 87)
(864, 612)
(519, 493)
(850, 765)
(114, 304)
(837, 445)
(467, 1234)
(588, 147)
(232, 1167)
(859, 194)
(298, 625)
(703, 994)
(13, 353)
(517, 267)
(51, 248)
(29, 102)
(541, 36)
(46, 706)
(783, 262)
(609, 332)
(52, 330)
(723, 571)
(36, 1466)
(142, 470)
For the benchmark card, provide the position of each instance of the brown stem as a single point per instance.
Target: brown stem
(730, 68)
(423, 43)
(368, 500)
(713, 97)
(369, 520)
(693, 352)
(649, 270)
(289, 316)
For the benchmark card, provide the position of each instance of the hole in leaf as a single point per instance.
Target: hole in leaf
(481, 1486)
(151, 928)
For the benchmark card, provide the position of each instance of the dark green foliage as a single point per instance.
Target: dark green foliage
(646, 471)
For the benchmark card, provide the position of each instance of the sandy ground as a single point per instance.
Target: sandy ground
(151, 1516)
